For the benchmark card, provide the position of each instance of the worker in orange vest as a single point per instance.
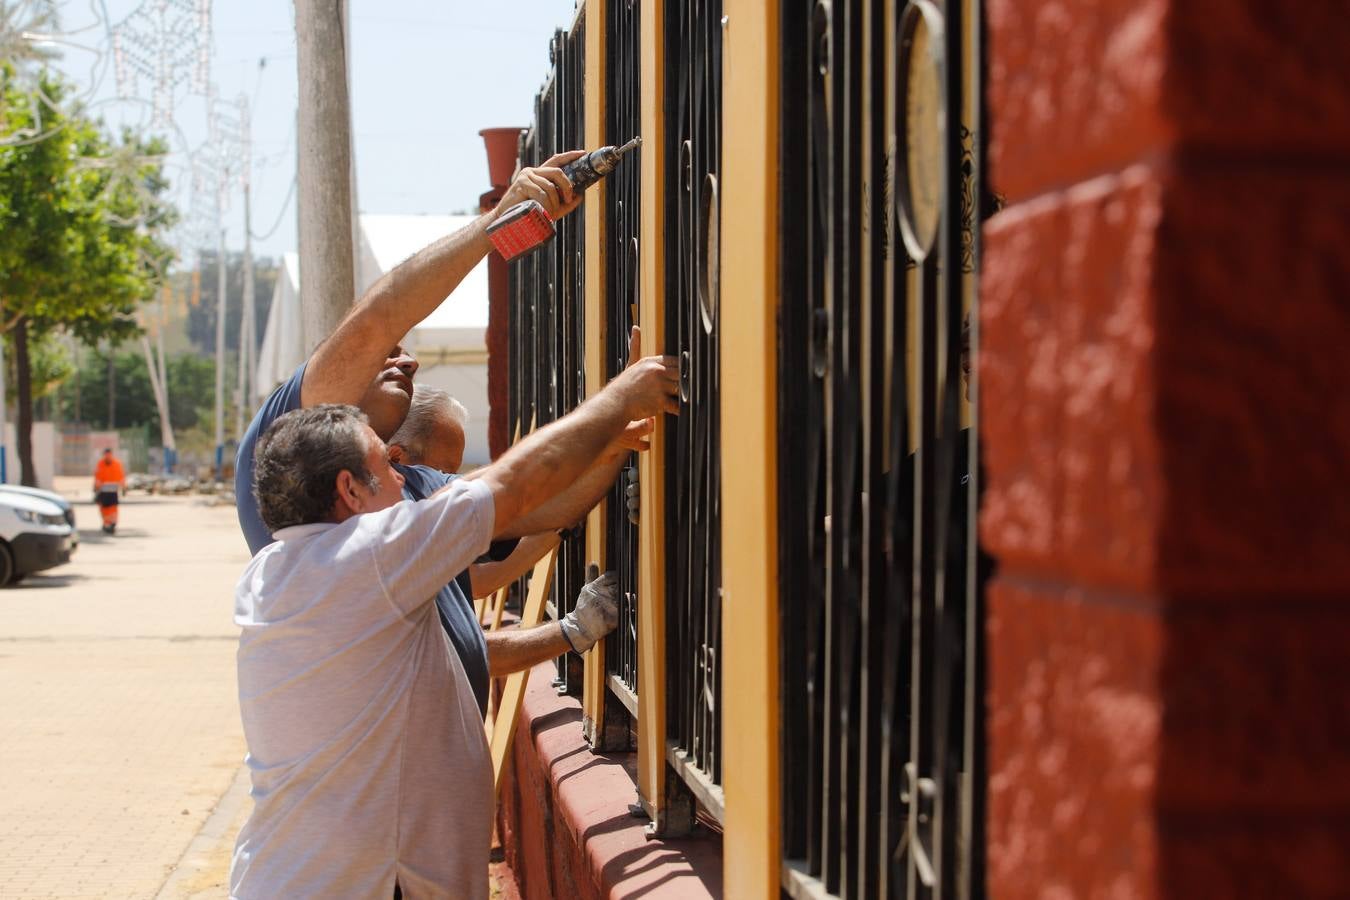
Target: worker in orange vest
(108, 479)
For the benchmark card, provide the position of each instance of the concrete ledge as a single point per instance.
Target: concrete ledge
(564, 819)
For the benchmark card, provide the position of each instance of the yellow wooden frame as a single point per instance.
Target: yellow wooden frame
(501, 729)
(651, 692)
(751, 850)
(596, 261)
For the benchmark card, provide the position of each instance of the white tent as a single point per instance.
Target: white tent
(450, 344)
(282, 345)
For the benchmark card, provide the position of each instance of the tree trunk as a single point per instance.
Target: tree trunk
(24, 385)
(112, 387)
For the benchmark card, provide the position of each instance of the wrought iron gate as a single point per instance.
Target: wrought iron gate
(548, 338)
(693, 152)
(881, 590)
(622, 214)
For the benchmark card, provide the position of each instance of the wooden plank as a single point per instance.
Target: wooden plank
(498, 605)
(513, 694)
(651, 468)
(596, 263)
(752, 865)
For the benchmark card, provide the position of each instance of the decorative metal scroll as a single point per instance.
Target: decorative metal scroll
(693, 152)
(548, 342)
(880, 575)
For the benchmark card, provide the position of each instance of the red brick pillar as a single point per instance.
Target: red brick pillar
(1166, 422)
(501, 146)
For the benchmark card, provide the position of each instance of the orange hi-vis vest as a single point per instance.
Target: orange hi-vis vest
(108, 471)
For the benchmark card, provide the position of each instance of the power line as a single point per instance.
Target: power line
(285, 204)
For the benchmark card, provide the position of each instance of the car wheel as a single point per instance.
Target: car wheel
(7, 574)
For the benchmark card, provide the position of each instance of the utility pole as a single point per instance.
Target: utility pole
(247, 365)
(159, 383)
(166, 431)
(220, 358)
(327, 279)
(247, 342)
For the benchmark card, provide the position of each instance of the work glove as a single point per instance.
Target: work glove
(596, 613)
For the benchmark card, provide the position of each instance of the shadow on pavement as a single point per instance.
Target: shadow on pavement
(43, 581)
(96, 535)
(136, 500)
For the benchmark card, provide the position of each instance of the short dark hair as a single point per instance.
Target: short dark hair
(297, 461)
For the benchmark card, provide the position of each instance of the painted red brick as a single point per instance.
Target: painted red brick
(1253, 326)
(497, 337)
(1259, 78)
(1081, 89)
(1066, 373)
(1074, 716)
(566, 826)
(1256, 699)
(1165, 321)
(1254, 858)
(1074, 90)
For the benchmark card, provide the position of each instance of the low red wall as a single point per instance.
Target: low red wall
(564, 821)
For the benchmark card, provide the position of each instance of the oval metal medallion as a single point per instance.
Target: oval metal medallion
(923, 127)
(711, 276)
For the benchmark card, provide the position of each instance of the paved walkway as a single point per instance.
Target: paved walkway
(120, 734)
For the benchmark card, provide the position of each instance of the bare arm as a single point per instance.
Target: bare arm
(342, 367)
(516, 649)
(571, 505)
(549, 460)
(488, 577)
(595, 615)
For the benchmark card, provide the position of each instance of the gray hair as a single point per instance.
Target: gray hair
(428, 403)
(297, 461)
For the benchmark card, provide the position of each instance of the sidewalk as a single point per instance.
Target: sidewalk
(121, 730)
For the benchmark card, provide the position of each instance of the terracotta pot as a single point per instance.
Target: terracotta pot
(502, 146)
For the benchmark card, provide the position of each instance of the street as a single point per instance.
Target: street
(121, 747)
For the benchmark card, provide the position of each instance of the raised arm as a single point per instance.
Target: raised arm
(343, 366)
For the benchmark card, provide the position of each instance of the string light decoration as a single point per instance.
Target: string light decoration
(31, 39)
(168, 43)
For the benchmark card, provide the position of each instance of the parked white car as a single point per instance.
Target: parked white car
(37, 531)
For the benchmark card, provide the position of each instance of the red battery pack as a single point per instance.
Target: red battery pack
(522, 228)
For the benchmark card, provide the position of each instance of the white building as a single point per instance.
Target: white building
(450, 344)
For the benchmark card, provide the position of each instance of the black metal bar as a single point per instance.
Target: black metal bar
(548, 308)
(623, 205)
(797, 389)
(693, 462)
(880, 577)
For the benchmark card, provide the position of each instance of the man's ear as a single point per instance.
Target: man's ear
(350, 497)
(397, 453)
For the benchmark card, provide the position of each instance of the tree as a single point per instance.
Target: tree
(191, 379)
(79, 220)
(201, 325)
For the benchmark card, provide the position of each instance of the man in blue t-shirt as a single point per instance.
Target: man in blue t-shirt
(356, 366)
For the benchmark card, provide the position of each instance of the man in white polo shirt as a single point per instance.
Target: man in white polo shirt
(369, 762)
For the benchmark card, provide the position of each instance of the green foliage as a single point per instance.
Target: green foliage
(80, 219)
(49, 365)
(191, 392)
(201, 324)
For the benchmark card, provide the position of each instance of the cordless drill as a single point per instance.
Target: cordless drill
(526, 226)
